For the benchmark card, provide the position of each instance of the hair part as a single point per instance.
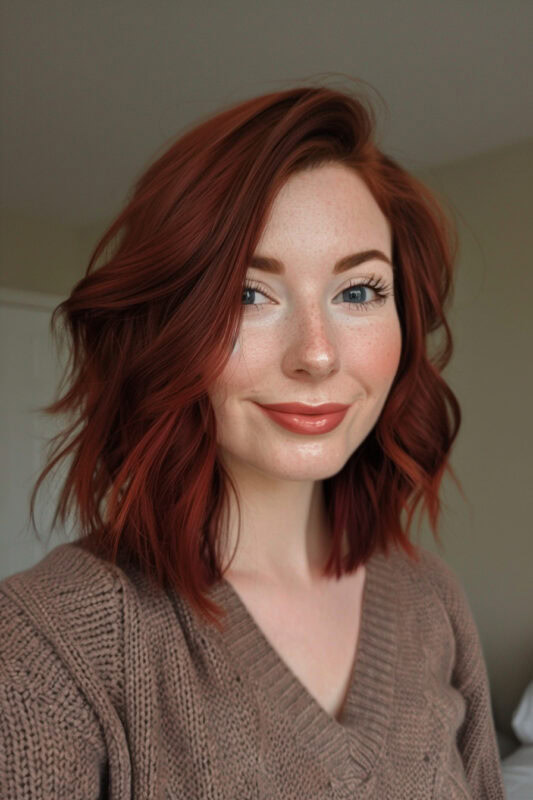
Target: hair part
(145, 481)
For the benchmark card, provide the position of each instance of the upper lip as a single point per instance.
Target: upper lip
(303, 408)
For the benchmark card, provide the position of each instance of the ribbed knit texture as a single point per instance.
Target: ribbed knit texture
(110, 688)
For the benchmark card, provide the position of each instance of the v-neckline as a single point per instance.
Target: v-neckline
(348, 747)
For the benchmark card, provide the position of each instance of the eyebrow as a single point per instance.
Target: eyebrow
(267, 264)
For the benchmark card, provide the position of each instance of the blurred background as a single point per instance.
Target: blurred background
(93, 92)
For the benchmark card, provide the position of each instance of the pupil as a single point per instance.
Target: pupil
(353, 291)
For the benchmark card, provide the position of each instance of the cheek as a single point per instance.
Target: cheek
(245, 369)
(373, 352)
(252, 354)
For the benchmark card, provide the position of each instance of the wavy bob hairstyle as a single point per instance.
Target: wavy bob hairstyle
(145, 480)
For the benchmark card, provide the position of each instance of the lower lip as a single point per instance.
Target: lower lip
(306, 423)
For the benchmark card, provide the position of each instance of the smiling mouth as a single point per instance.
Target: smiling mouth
(305, 423)
(304, 408)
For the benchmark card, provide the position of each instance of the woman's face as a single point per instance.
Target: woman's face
(304, 337)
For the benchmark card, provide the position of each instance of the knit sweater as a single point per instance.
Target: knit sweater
(112, 688)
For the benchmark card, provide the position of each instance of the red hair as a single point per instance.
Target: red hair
(145, 478)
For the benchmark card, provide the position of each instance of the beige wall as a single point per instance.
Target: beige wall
(44, 255)
(487, 541)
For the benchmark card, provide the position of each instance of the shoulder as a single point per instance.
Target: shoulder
(434, 577)
(61, 572)
(91, 613)
(69, 589)
(438, 586)
(65, 610)
(61, 674)
(72, 587)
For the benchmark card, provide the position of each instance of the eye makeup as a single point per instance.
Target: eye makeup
(377, 284)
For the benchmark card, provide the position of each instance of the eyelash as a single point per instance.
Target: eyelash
(382, 289)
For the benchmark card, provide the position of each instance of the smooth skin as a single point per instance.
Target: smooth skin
(304, 338)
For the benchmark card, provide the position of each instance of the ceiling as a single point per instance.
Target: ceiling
(92, 91)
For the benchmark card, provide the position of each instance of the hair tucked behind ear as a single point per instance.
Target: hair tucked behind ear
(152, 327)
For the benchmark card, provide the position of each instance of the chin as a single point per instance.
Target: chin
(302, 472)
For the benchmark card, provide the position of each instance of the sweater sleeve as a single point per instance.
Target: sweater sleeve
(476, 738)
(51, 744)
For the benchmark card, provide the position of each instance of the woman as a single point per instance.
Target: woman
(242, 614)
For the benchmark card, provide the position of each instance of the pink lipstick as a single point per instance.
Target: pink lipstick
(301, 418)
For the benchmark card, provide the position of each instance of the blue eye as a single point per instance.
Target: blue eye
(351, 293)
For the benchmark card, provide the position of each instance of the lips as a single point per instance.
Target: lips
(306, 424)
(303, 408)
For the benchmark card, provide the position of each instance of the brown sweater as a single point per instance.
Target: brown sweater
(112, 689)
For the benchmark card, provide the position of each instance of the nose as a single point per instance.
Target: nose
(311, 345)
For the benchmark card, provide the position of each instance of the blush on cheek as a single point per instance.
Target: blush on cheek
(378, 356)
(388, 360)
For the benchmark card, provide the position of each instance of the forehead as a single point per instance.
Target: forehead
(325, 204)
